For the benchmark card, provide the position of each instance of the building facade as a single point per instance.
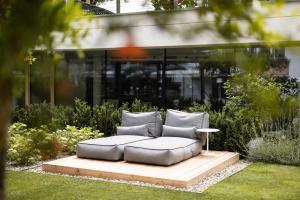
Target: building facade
(174, 71)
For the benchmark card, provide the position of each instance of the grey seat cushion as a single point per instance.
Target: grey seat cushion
(108, 148)
(162, 150)
(153, 119)
(133, 130)
(184, 119)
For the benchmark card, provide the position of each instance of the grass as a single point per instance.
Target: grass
(258, 181)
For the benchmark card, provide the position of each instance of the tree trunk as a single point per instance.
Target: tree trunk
(5, 110)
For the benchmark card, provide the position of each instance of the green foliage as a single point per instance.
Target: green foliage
(33, 116)
(107, 117)
(254, 92)
(70, 136)
(223, 15)
(29, 58)
(138, 106)
(282, 151)
(197, 107)
(61, 116)
(28, 145)
(239, 121)
(171, 4)
(254, 108)
(289, 86)
(37, 115)
(43, 18)
(263, 97)
(82, 114)
(237, 127)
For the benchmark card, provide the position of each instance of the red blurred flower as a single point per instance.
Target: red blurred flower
(130, 51)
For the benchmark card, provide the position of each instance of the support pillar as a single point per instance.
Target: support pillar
(52, 85)
(27, 85)
(118, 6)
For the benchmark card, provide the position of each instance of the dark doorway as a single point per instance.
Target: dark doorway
(141, 80)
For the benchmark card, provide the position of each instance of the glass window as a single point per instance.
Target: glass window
(197, 74)
(135, 78)
(40, 79)
(79, 78)
(19, 93)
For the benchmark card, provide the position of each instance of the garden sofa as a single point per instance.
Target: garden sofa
(134, 127)
(179, 140)
(142, 138)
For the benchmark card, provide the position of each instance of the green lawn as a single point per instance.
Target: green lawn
(258, 181)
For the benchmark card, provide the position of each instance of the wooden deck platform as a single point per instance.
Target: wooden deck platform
(183, 174)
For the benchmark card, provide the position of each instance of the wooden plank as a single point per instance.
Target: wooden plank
(111, 175)
(183, 174)
(213, 169)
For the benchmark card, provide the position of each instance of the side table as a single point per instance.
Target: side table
(207, 131)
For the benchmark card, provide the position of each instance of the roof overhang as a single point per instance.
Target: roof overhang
(150, 30)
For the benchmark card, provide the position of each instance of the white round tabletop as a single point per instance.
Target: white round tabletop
(208, 130)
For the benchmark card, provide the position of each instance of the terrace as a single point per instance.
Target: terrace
(182, 175)
(196, 100)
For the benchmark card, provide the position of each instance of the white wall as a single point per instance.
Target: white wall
(128, 6)
(146, 30)
(293, 54)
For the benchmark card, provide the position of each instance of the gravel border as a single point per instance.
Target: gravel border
(198, 188)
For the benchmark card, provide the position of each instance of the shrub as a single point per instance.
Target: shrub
(276, 151)
(71, 135)
(61, 117)
(138, 106)
(19, 147)
(34, 116)
(82, 116)
(255, 93)
(28, 145)
(197, 107)
(237, 126)
(107, 117)
(289, 86)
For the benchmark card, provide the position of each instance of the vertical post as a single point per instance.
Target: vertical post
(175, 3)
(52, 84)
(27, 85)
(118, 6)
(158, 83)
(207, 142)
(118, 81)
(202, 84)
(104, 85)
(164, 93)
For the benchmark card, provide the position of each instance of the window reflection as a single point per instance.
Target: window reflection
(79, 78)
(40, 79)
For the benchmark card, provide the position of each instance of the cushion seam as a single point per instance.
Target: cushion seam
(163, 149)
(113, 144)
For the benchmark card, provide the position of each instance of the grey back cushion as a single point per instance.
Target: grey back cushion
(183, 119)
(185, 132)
(153, 119)
(141, 130)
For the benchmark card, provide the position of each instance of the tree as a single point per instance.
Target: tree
(25, 25)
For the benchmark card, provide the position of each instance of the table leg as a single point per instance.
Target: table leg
(207, 142)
